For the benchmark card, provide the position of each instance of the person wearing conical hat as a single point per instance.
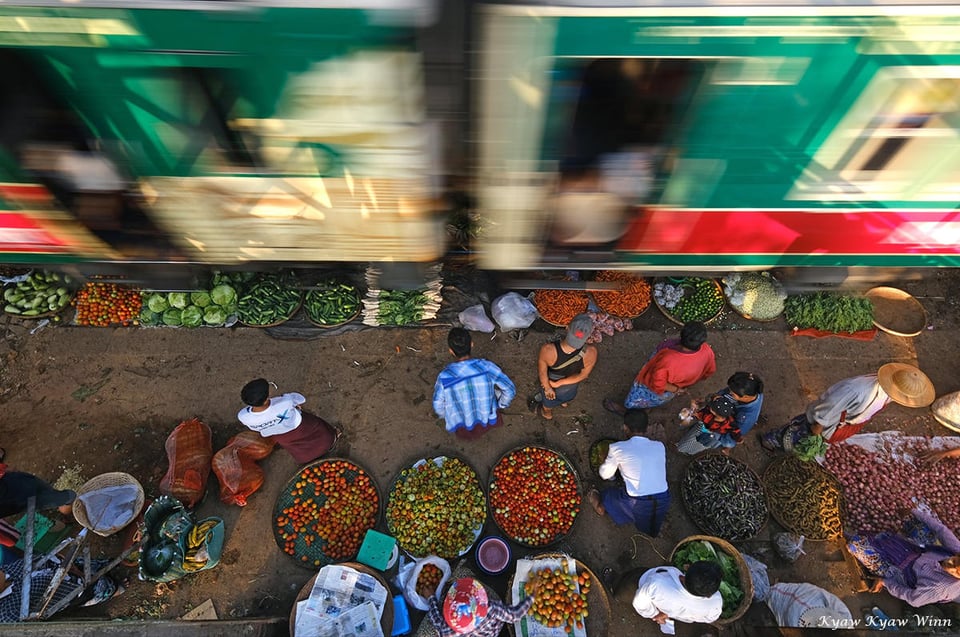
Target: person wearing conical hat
(467, 610)
(849, 404)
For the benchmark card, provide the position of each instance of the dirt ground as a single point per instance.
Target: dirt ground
(78, 402)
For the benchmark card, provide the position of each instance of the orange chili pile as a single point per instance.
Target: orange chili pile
(104, 304)
(629, 301)
(560, 306)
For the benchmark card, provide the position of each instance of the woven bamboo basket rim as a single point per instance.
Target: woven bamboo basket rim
(775, 512)
(598, 594)
(102, 481)
(286, 491)
(677, 321)
(911, 309)
(576, 479)
(306, 311)
(386, 619)
(586, 304)
(696, 519)
(746, 581)
(477, 532)
(276, 323)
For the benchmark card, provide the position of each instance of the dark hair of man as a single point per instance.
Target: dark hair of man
(255, 392)
(635, 420)
(460, 342)
(693, 334)
(745, 384)
(703, 578)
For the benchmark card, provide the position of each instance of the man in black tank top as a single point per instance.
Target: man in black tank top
(563, 365)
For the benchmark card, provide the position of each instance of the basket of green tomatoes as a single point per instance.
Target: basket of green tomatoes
(688, 299)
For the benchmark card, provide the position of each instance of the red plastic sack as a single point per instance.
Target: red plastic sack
(236, 467)
(189, 450)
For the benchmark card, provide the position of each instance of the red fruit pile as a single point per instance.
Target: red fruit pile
(534, 496)
(561, 599)
(104, 304)
(333, 505)
(428, 580)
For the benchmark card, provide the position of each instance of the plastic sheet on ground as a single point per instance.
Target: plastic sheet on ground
(527, 627)
(111, 507)
(342, 603)
(895, 445)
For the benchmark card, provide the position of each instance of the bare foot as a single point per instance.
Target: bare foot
(593, 497)
(545, 412)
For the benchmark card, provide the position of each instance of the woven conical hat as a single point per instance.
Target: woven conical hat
(907, 385)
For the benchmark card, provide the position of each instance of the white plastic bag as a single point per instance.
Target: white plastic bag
(789, 546)
(409, 572)
(513, 312)
(474, 318)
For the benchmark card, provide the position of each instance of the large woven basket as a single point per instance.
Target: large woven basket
(746, 583)
(103, 481)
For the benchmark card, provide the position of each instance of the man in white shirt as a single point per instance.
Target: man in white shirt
(665, 594)
(643, 499)
(282, 420)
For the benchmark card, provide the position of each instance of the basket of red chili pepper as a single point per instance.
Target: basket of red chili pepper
(534, 495)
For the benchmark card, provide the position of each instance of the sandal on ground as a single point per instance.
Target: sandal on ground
(607, 576)
(611, 406)
(544, 412)
(3, 454)
(766, 444)
(532, 403)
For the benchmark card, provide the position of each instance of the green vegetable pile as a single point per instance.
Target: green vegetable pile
(189, 309)
(810, 447)
(756, 295)
(731, 588)
(699, 300)
(830, 312)
(270, 299)
(41, 293)
(332, 303)
(401, 307)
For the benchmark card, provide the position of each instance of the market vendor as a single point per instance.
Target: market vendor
(562, 365)
(673, 366)
(282, 420)
(922, 569)
(848, 405)
(470, 392)
(468, 611)
(643, 499)
(17, 487)
(666, 594)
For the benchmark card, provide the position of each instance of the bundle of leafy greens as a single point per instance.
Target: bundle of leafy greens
(731, 588)
(810, 447)
(830, 312)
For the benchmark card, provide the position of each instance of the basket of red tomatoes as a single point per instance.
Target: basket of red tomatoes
(324, 511)
(534, 495)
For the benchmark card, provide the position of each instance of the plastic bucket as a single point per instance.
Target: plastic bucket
(493, 555)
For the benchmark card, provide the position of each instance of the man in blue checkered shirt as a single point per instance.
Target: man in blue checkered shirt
(470, 392)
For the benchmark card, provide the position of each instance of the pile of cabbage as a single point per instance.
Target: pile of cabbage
(213, 307)
(756, 295)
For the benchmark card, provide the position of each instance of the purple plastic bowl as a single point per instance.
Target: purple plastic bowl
(493, 555)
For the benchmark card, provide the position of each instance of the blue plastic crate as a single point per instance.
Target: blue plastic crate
(401, 617)
(376, 550)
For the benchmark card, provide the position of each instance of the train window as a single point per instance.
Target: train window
(899, 142)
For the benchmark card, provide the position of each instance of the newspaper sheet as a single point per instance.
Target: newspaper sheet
(527, 627)
(344, 603)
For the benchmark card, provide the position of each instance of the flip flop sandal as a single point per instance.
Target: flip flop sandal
(611, 406)
(532, 403)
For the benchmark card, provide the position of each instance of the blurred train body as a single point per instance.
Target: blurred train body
(653, 137)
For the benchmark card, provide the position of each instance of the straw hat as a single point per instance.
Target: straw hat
(907, 385)
(465, 605)
(823, 617)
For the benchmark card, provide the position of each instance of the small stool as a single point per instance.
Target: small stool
(376, 550)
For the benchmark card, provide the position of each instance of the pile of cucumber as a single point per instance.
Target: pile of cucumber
(332, 303)
(268, 301)
(41, 293)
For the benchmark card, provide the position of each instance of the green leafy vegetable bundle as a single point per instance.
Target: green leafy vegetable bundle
(731, 588)
(810, 447)
(829, 312)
